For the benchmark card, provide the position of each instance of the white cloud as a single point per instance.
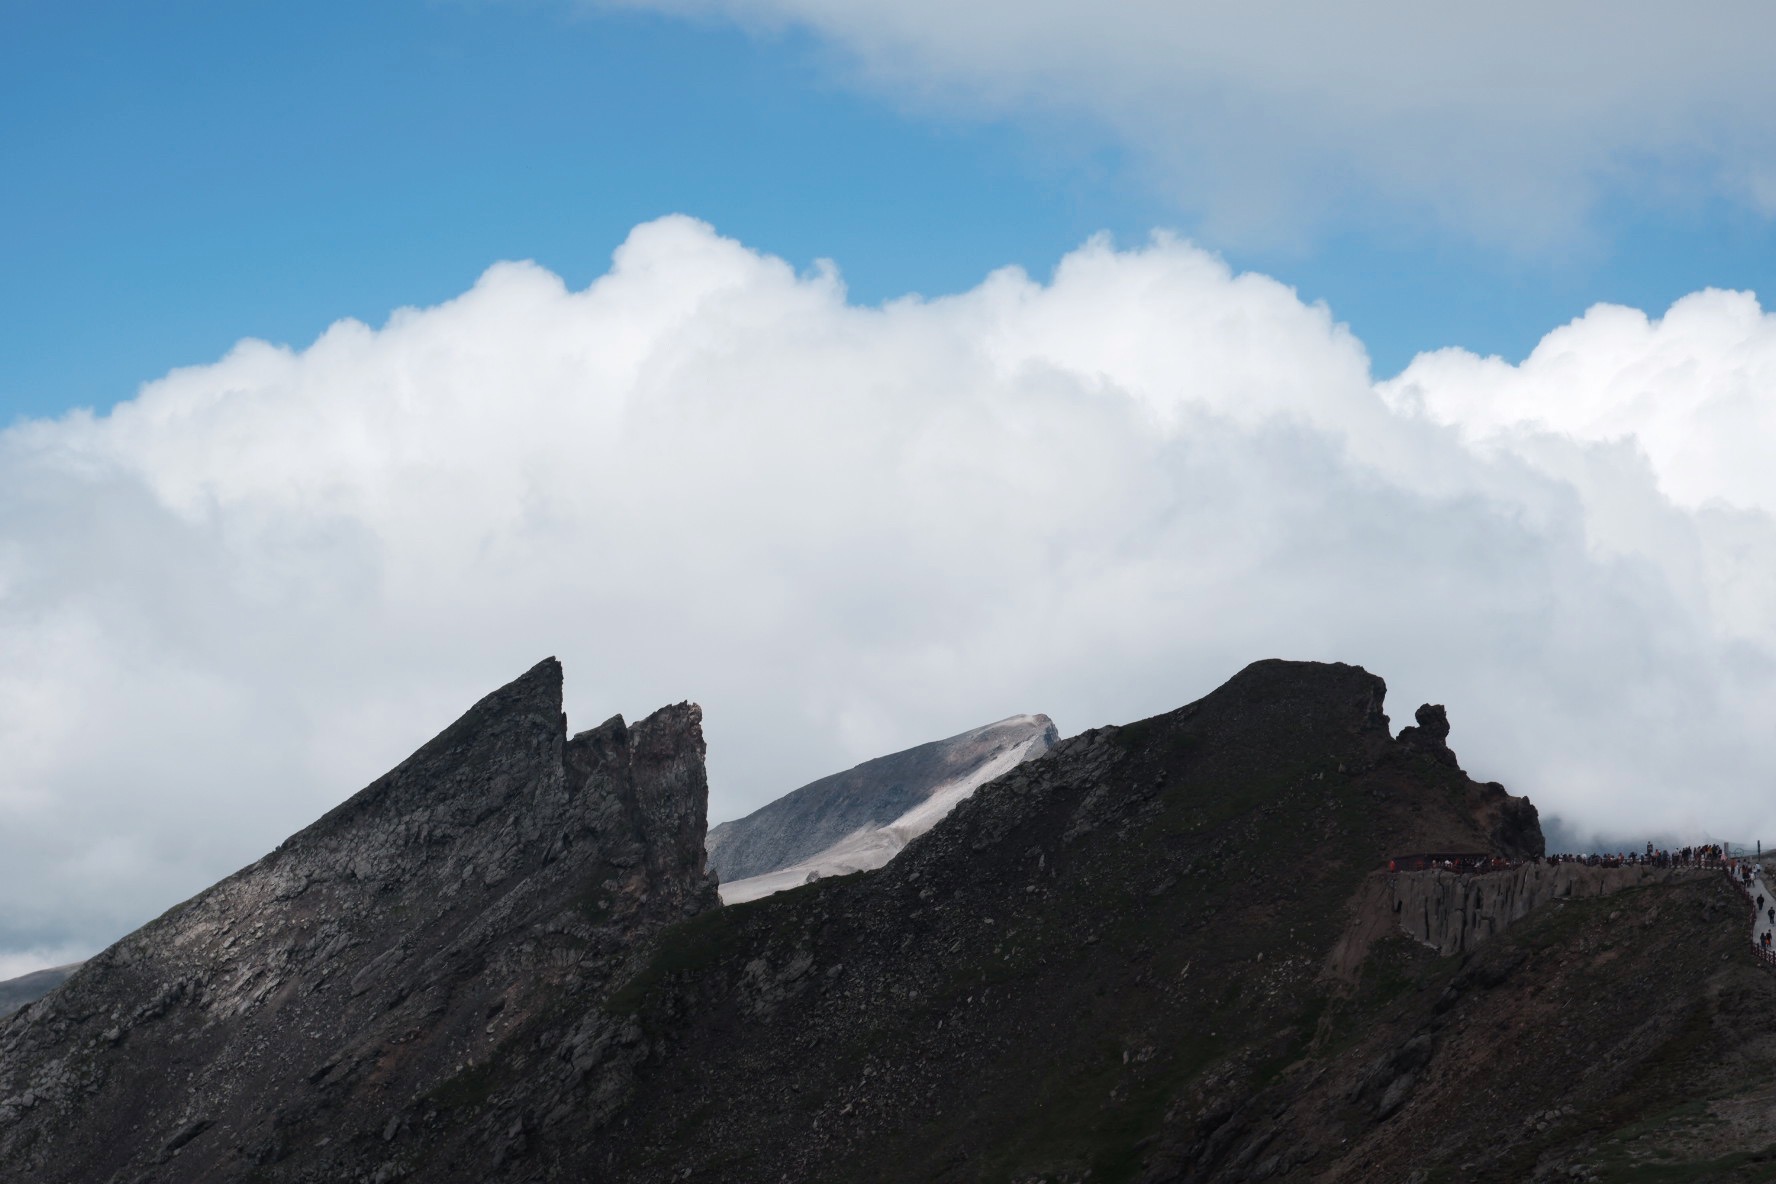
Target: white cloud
(1692, 390)
(240, 596)
(1506, 118)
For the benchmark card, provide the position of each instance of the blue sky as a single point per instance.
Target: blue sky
(182, 175)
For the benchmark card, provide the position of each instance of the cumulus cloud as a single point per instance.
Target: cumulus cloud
(1692, 392)
(1505, 119)
(237, 598)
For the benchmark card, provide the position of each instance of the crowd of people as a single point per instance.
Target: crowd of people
(1710, 855)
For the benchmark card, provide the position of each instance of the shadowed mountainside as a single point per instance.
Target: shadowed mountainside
(1153, 954)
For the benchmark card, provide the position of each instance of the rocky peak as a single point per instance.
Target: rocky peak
(1433, 722)
(662, 802)
(1431, 736)
(372, 956)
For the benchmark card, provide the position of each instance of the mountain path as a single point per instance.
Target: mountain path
(1762, 901)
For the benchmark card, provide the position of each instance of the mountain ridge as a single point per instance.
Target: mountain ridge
(1162, 952)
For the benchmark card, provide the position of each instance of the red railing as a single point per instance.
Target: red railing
(1767, 957)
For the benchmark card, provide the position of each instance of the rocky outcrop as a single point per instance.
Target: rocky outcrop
(860, 819)
(309, 1003)
(28, 988)
(1512, 823)
(1431, 735)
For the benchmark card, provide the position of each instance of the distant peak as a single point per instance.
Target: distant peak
(1034, 722)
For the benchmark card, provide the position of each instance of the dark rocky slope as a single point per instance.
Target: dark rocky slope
(1153, 955)
(367, 960)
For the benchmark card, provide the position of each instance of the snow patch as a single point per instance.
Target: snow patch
(868, 848)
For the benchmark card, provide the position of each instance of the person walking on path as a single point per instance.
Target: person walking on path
(1761, 930)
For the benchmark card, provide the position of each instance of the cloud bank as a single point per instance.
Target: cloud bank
(1506, 119)
(237, 598)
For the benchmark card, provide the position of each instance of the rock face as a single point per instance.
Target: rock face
(368, 960)
(859, 819)
(1452, 913)
(28, 988)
